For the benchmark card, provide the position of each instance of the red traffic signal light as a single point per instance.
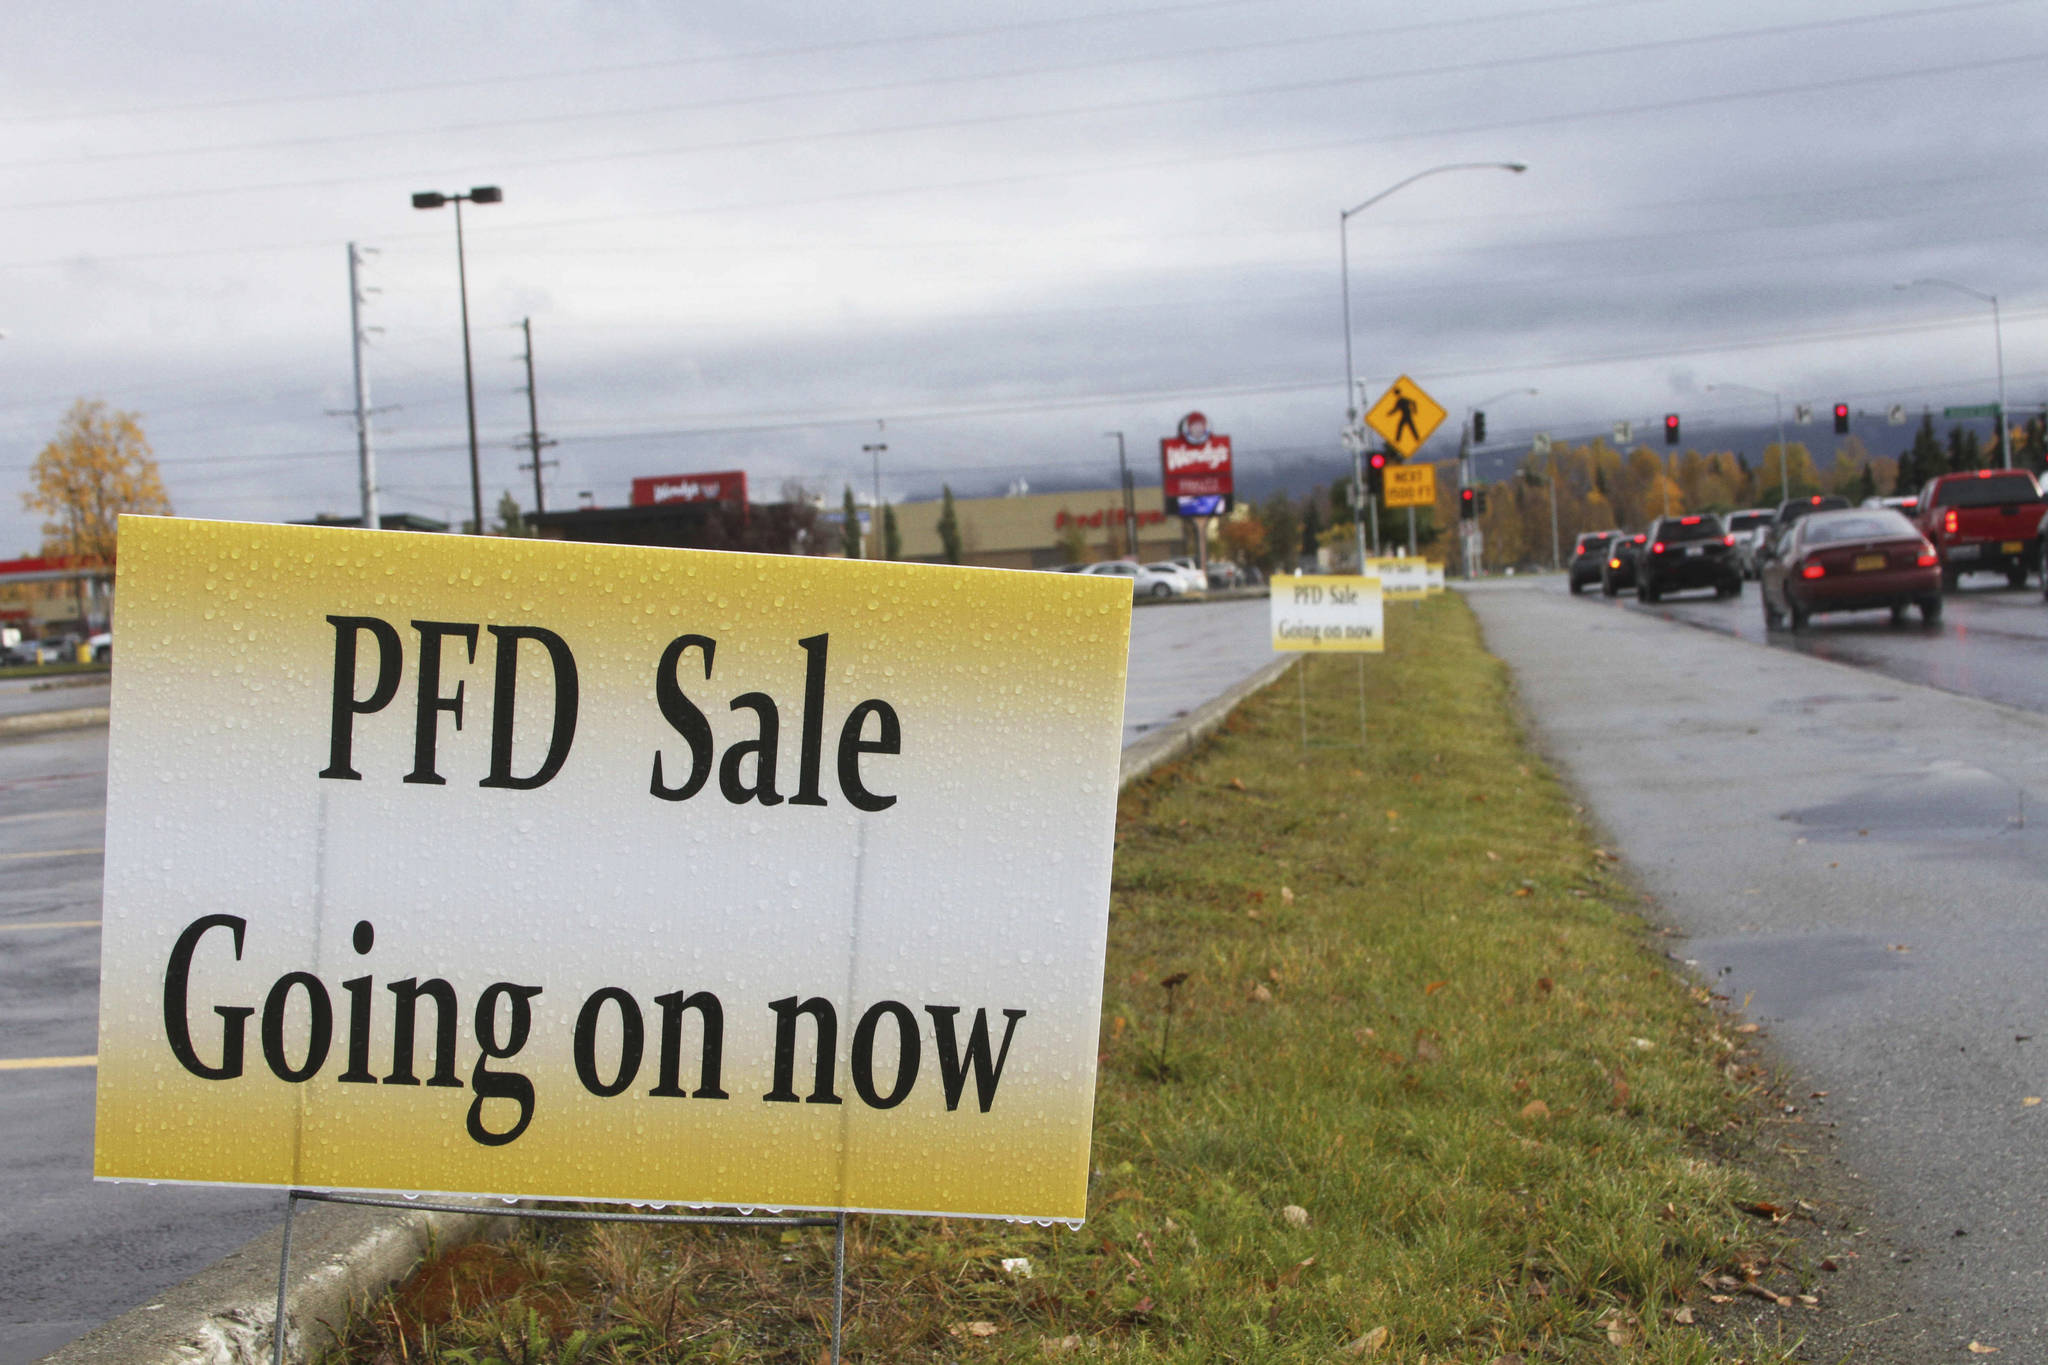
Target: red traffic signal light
(1376, 473)
(1670, 428)
(1468, 503)
(1378, 459)
(1841, 419)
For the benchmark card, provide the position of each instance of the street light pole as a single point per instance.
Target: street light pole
(875, 450)
(1344, 217)
(429, 199)
(1997, 341)
(1778, 407)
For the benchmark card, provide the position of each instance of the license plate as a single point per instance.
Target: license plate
(1964, 551)
(1867, 562)
(2013, 547)
(1693, 552)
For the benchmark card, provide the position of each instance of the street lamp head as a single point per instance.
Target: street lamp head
(486, 194)
(1516, 166)
(429, 199)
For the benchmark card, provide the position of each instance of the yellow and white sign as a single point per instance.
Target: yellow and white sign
(1436, 579)
(1328, 614)
(1411, 485)
(517, 867)
(1405, 416)
(1403, 578)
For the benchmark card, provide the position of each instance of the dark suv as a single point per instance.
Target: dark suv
(1687, 552)
(1589, 556)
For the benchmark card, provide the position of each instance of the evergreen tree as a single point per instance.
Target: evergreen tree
(849, 527)
(1866, 485)
(1311, 527)
(1964, 455)
(2031, 453)
(949, 527)
(1921, 462)
(892, 539)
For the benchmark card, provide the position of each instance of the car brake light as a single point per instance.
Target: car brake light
(1727, 540)
(1927, 558)
(1658, 548)
(1688, 521)
(1812, 571)
(1948, 522)
(1983, 473)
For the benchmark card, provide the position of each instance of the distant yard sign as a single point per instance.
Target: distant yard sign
(1328, 614)
(582, 871)
(1403, 578)
(1411, 485)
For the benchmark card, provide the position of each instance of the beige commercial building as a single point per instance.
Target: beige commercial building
(1031, 530)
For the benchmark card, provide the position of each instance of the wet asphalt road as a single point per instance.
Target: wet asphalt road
(72, 1253)
(1859, 858)
(1992, 641)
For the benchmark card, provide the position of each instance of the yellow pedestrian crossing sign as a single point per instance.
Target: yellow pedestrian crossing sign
(1405, 416)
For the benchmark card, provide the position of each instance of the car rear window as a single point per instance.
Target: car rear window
(1748, 521)
(1987, 492)
(1689, 528)
(1872, 525)
(1593, 541)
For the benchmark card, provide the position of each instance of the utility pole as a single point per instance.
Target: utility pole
(364, 458)
(875, 449)
(535, 443)
(1124, 482)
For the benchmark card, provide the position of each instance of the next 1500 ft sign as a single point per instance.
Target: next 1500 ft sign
(510, 867)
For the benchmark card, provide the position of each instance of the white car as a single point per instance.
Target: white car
(1145, 581)
(1192, 579)
(1749, 527)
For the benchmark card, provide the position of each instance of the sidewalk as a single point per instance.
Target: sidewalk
(1842, 850)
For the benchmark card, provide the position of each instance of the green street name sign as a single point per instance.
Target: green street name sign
(1973, 410)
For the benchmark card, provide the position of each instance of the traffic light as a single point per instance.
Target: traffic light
(1670, 428)
(1468, 503)
(1478, 428)
(1841, 419)
(1376, 473)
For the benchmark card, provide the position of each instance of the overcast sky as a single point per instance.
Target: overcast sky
(746, 234)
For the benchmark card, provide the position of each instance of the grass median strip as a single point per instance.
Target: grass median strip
(1387, 1073)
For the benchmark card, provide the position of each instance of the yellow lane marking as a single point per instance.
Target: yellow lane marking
(51, 814)
(50, 924)
(49, 853)
(38, 1063)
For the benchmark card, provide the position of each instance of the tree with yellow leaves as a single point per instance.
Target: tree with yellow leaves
(98, 467)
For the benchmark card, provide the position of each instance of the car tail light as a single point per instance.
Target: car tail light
(1812, 571)
(1641, 539)
(1927, 558)
(1727, 540)
(1613, 563)
(1688, 521)
(1658, 548)
(1948, 522)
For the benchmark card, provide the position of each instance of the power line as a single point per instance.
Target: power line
(1234, 50)
(1976, 66)
(768, 54)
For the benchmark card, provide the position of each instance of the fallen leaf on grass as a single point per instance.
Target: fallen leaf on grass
(1544, 985)
(1393, 815)
(1293, 1273)
(1491, 856)
(1978, 1348)
(973, 1329)
(1286, 896)
(1371, 1344)
(1621, 1331)
(1523, 890)
(1758, 1209)
(1020, 1266)
(1535, 1111)
(1237, 784)
(1433, 987)
(1260, 996)
(1059, 1346)
(1682, 1315)
(1296, 1216)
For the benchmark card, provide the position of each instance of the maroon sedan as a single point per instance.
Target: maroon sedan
(1857, 559)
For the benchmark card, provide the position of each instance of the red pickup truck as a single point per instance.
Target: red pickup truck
(1988, 521)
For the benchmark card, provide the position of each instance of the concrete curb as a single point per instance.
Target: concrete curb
(222, 1316)
(343, 1254)
(1162, 747)
(36, 722)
